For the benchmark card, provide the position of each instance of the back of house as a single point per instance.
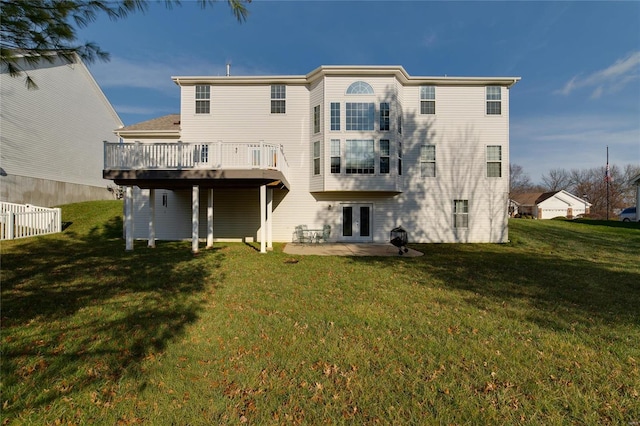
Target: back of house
(363, 149)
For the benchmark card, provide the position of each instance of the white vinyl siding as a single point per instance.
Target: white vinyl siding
(53, 155)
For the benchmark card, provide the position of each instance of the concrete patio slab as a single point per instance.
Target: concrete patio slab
(347, 249)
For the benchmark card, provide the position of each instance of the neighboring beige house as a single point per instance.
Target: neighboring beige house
(51, 138)
(547, 205)
(363, 149)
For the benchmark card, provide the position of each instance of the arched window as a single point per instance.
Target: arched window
(360, 88)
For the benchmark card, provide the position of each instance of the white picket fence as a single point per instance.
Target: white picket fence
(25, 220)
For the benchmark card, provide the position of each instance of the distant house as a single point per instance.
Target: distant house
(547, 205)
(51, 149)
(362, 149)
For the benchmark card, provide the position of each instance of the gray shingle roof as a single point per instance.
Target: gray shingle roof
(167, 122)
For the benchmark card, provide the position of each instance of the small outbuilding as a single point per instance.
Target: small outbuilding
(547, 205)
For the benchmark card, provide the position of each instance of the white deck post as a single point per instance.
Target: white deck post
(152, 218)
(195, 210)
(269, 219)
(210, 218)
(128, 218)
(263, 224)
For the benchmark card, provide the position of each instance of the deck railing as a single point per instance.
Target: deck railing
(25, 220)
(181, 156)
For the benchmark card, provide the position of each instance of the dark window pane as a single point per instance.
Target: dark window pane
(347, 218)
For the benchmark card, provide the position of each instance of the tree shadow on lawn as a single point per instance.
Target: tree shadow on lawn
(79, 311)
(561, 293)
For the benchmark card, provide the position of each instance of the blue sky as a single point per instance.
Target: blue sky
(579, 61)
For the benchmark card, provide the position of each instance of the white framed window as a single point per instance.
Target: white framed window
(203, 99)
(316, 158)
(399, 158)
(460, 213)
(316, 119)
(278, 99)
(428, 161)
(335, 115)
(427, 100)
(494, 100)
(494, 161)
(384, 156)
(384, 116)
(359, 156)
(335, 155)
(360, 88)
(360, 115)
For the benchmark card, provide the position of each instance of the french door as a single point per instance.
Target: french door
(357, 221)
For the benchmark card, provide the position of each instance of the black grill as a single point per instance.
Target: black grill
(399, 239)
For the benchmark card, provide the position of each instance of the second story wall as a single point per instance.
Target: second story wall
(55, 132)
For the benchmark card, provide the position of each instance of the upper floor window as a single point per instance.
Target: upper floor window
(399, 158)
(384, 116)
(384, 156)
(494, 161)
(316, 119)
(316, 158)
(427, 100)
(359, 156)
(428, 160)
(335, 115)
(203, 99)
(494, 100)
(360, 88)
(335, 155)
(278, 99)
(360, 115)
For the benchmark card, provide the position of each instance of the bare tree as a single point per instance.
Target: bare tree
(628, 191)
(519, 181)
(556, 180)
(605, 196)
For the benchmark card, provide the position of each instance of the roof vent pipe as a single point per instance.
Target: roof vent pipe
(228, 69)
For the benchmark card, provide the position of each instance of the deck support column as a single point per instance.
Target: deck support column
(210, 218)
(263, 221)
(269, 219)
(128, 218)
(195, 210)
(152, 218)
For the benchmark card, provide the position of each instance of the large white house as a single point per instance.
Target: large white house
(363, 149)
(51, 137)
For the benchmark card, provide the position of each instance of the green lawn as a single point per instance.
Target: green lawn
(543, 330)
